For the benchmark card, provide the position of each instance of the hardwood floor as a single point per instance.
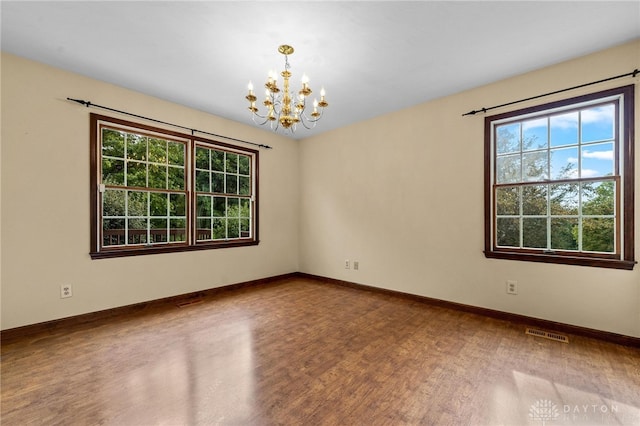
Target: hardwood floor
(303, 352)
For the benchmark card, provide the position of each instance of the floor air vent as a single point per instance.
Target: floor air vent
(547, 335)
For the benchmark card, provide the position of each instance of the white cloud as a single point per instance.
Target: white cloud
(572, 174)
(602, 114)
(598, 155)
(587, 173)
(532, 124)
(565, 121)
(572, 160)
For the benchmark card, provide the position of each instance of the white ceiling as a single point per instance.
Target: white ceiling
(373, 57)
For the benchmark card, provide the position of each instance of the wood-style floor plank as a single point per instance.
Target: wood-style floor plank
(303, 352)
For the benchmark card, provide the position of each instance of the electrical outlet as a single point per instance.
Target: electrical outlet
(65, 291)
(512, 287)
(346, 264)
(356, 265)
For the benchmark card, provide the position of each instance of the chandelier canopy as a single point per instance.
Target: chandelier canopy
(283, 109)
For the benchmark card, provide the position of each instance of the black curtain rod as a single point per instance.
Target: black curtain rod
(633, 73)
(89, 104)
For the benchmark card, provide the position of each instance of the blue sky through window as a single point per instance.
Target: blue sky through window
(580, 143)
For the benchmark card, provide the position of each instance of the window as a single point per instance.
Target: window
(559, 182)
(155, 191)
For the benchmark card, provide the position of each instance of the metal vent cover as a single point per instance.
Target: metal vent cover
(547, 335)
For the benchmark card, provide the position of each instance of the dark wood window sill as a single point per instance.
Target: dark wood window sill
(562, 259)
(108, 254)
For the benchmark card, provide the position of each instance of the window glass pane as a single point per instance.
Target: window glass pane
(157, 150)
(203, 207)
(176, 153)
(217, 161)
(202, 181)
(597, 123)
(177, 205)
(176, 178)
(508, 232)
(564, 199)
(233, 207)
(564, 129)
(243, 165)
(137, 203)
(534, 232)
(158, 204)
(136, 147)
(245, 210)
(598, 198)
(508, 138)
(232, 163)
(233, 230)
(217, 182)
(136, 174)
(535, 165)
(202, 158)
(534, 134)
(219, 229)
(137, 231)
(203, 231)
(245, 185)
(113, 232)
(112, 143)
(564, 163)
(112, 171)
(113, 203)
(534, 200)
(564, 233)
(219, 207)
(245, 230)
(159, 231)
(157, 176)
(508, 169)
(232, 184)
(598, 234)
(507, 201)
(597, 160)
(177, 231)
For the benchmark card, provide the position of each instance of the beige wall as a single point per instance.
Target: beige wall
(45, 203)
(403, 195)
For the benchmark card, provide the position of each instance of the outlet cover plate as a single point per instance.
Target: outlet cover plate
(66, 291)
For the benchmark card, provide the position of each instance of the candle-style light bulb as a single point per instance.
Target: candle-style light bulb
(323, 103)
(315, 114)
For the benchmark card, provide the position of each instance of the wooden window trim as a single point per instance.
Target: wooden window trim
(98, 252)
(626, 145)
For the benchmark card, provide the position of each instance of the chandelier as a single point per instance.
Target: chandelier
(283, 109)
